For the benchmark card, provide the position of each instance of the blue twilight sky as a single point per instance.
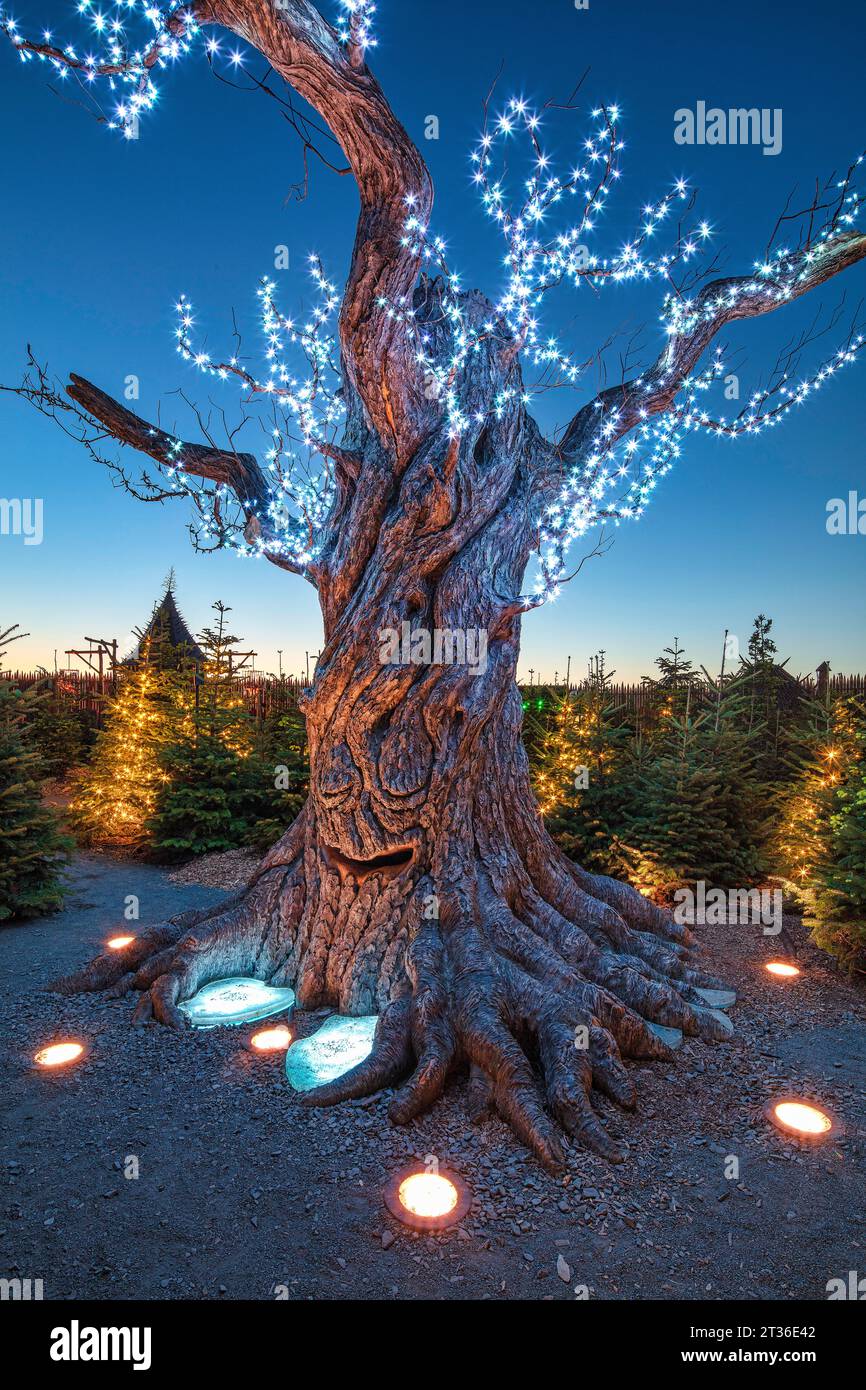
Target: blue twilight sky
(100, 235)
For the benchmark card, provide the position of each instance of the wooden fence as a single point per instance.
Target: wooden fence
(266, 695)
(636, 696)
(262, 695)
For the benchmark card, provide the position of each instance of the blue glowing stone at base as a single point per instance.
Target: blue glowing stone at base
(237, 1000)
(338, 1046)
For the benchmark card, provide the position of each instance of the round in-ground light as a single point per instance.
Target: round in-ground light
(271, 1039)
(427, 1201)
(800, 1119)
(782, 968)
(59, 1054)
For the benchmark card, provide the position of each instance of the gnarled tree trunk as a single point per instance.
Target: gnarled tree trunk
(419, 883)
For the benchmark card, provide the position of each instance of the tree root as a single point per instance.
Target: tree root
(538, 978)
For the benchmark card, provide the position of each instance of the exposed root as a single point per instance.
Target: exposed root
(171, 962)
(538, 978)
(539, 1033)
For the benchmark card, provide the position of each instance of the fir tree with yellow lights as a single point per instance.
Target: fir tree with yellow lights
(117, 793)
(821, 845)
(584, 776)
(840, 902)
(818, 753)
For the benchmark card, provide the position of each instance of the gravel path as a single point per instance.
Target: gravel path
(242, 1193)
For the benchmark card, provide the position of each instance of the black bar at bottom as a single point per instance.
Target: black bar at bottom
(252, 1339)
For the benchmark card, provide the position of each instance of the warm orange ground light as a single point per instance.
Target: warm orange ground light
(117, 943)
(778, 967)
(58, 1054)
(271, 1039)
(427, 1194)
(805, 1119)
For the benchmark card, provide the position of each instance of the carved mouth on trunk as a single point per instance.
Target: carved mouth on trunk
(388, 865)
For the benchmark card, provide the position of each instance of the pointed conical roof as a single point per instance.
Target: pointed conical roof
(168, 622)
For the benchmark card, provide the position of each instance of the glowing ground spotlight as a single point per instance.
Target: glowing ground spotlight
(271, 1039)
(782, 969)
(236, 1000)
(335, 1048)
(119, 943)
(800, 1119)
(427, 1201)
(59, 1054)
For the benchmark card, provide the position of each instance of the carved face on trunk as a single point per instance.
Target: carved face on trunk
(420, 653)
(387, 744)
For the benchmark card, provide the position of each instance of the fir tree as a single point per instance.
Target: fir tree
(32, 849)
(117, 792)
(815, 754)
(674, 681)
(59, 732)
(222, 713)
(211, 797)
(821, 842)
(584, 776)
(701, 810)
(285, 753)
(839, 922)
(762, 648)
(219, 791)
(765, 685)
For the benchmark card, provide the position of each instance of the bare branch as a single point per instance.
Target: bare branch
(695, 326)
(90, 417)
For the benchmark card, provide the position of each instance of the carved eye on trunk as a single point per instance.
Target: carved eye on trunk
(405, 759)
(339, 773)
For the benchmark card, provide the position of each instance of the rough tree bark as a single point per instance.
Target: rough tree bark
(419, 882)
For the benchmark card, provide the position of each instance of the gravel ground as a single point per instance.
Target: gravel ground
(242, 1193)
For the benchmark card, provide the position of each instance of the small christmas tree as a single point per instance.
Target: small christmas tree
(819, 747)
(59, 731)
(762, 648)
(773, 692)
(117, 792)
(701, 809)
(839, 923)
(674, 684)
(218, 791)
(285, 753)
(209, 799)
(821, 842)
(584, 775)
(32, 849)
